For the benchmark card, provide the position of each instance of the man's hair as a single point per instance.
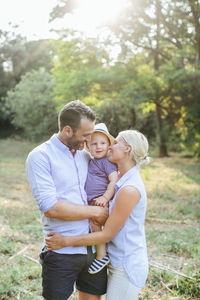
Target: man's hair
(72, 113)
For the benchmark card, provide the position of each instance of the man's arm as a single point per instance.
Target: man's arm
(70, 212)
(126, 200)
(43, 188)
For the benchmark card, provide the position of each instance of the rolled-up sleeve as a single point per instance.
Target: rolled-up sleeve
(38, 171)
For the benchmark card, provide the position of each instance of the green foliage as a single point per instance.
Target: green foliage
(16, 279)
(17, 56)
(183, 286)
(32, 106)
(77, 71)
(178, 247)
(190, 287)
(33, 230)
(65, 7)
(163, 103)
(6, 245)
(145, 297)
(166, 31)
(153, 83)
(108, 113)
(121, 115)
(183, 92)
(20, 56)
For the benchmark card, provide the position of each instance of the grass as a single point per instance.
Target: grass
(172, 227)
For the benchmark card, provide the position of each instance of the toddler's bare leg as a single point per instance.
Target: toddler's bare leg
(102, 258)
(101, 249)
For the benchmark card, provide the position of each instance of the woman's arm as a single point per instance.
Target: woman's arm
(126, 200)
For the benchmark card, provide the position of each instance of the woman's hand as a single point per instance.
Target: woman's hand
(55, 241)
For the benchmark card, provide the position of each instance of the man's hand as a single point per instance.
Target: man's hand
(55, 241)
(101, 215)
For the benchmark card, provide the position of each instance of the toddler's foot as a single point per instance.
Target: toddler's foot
(98, 264)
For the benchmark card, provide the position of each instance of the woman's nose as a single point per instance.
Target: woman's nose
(88, 138)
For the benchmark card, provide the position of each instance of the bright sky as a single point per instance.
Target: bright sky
(32, 16)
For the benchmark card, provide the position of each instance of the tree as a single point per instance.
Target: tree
(163, 29)
(17, 56)
(79, 72)
(166, 33)
(185, 91)
(31, 105)
(136, 29)
(195, 10)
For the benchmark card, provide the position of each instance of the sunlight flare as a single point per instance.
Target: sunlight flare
(91, 14)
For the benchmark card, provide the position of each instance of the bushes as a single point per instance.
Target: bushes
(190, 287)
(31, 105)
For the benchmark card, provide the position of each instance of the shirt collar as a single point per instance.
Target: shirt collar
(125, 177)
(55, 140)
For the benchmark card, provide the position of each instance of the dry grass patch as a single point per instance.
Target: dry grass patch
(172, 227)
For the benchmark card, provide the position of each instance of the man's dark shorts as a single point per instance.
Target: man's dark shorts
(61, 271)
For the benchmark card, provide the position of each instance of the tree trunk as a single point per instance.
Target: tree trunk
(194, 6)
(161, 135)
(160, 131)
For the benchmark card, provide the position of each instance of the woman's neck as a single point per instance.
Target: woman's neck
(125, 166)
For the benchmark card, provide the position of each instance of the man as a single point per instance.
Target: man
(57, 171)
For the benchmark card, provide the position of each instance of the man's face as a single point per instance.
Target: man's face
(82, 135)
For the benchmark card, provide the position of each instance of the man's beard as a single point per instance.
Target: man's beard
(72, 143)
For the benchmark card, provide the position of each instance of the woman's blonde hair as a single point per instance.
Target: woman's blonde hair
(139, 146)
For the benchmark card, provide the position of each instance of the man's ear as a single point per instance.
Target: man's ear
(68, 131)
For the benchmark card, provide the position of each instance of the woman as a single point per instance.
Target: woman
(124, 229)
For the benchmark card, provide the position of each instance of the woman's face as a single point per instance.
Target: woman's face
(117, 150)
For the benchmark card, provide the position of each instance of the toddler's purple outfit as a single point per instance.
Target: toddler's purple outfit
(97, 179)
(96, 184)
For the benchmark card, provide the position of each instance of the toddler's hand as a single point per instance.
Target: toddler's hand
(101, 201)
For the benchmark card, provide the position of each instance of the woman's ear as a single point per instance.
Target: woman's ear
(128, 148)
(68, 131)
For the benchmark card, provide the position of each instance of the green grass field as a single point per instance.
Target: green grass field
(172, 227)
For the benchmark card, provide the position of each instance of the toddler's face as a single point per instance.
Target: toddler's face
(99, 144)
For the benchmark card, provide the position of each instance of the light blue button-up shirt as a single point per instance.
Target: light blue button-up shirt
(128, 247)
(55, 174)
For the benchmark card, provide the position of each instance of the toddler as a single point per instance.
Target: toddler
(101, 179)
